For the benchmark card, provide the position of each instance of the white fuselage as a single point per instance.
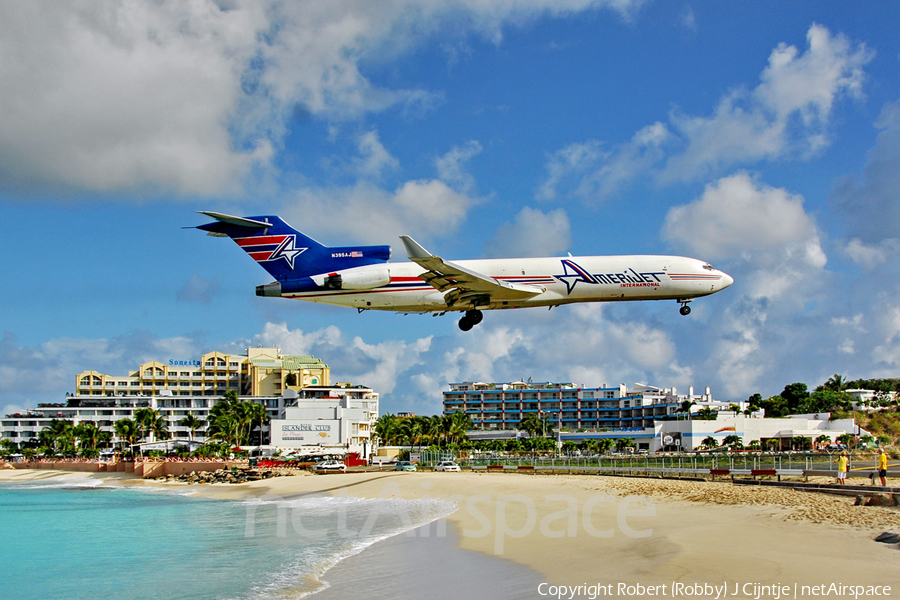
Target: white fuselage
(563, 280)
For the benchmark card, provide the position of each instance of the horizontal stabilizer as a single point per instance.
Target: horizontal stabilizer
(238, 221)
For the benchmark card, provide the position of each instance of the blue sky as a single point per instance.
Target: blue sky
(763, 137)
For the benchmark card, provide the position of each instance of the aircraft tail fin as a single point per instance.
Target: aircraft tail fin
(285, 252)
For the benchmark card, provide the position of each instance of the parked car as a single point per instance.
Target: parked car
(404, 465)
(330, 465)
(836, 447)
(446, 465)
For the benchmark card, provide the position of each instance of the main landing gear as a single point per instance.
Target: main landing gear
(470, 320)
(685, 309)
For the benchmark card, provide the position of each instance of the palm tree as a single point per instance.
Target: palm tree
(709, 442)
(532, 424)
(59, 436)
(152, 422)
(457, 426)
(232, 419)
(733, 441)
(92, 438)
(836, 383)
(193, 424)
(128, 431)
(387, 427)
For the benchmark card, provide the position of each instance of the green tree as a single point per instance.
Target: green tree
(625, 442)
(532, 425)
(387, 428)
(193, 424)
(59, 437)
(794, 394)
(128, 430)
(709, 442)
(836, 383)
(733, 442)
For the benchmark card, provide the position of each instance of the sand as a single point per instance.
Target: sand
(576, 530)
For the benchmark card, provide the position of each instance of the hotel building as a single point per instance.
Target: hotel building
(292, 387)
(501, 406)
(651, 416)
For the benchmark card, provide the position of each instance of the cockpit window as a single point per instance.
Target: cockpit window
(708, 267)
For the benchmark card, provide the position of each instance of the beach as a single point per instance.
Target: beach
(576, 530)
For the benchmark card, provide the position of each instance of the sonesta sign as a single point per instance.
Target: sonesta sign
(184, 363)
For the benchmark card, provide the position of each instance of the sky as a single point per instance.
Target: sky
(763, 137)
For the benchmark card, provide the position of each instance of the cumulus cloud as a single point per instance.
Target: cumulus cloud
(588, 172)
(451, 166)
(375, 365)
(44, 373)
(765, 231)
(786, 116)
(194, 97)
(532, 233)
(424, 209)
(871, 256)
(374, 158)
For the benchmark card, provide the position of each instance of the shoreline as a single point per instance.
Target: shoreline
(573, 529)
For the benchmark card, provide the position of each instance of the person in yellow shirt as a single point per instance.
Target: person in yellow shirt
(843, 464)
(881, 466)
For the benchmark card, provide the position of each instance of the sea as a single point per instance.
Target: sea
(79, 538)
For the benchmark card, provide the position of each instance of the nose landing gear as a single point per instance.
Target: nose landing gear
(471, 319)
(685, 309)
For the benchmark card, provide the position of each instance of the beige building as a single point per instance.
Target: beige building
(261, 372)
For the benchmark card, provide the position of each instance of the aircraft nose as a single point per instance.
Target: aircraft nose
(726, 280)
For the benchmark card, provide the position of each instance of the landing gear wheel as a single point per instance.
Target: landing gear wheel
(685, 310)
(475, 316)
(466, 324)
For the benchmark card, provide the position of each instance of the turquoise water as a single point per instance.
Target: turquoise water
(77, 539)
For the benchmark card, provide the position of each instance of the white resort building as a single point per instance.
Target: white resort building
(294, 389)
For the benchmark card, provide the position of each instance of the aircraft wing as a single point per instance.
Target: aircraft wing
(463, 286)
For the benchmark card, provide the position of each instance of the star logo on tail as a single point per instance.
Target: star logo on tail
(287, 251)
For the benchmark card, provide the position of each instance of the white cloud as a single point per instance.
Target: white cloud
(424, 209)
(591, 174)
(735, 215)
(194, 97)
(532, 233)
(871, 257)
(786, 116)
(44, 373)
(451, 166)
(763, 230)
(374, 158)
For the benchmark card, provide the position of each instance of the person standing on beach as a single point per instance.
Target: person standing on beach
(843, 464)
(881, 467)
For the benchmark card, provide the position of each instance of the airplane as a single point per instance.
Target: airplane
(361, 276)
